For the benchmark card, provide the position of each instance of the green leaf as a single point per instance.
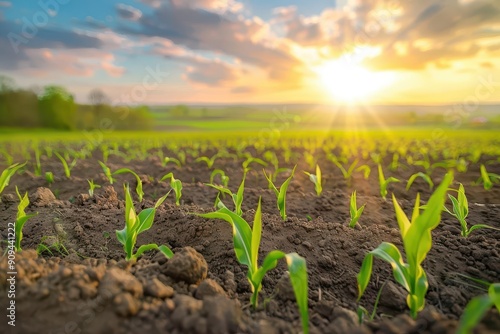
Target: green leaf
(403, 222)
(423, 176)
(242, 234)
(418, 240)
(7, 174)
(298, 276)
(121, 235)
(271, 184)
(473, 313)
(166, 251)
(145, 248)
(282, 195)
(256, 235)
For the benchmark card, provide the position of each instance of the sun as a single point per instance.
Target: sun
(348, 81)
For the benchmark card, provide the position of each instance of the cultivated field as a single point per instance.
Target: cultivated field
(81, 269)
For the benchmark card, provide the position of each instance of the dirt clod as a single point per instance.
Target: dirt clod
(187, 265)
(42, 197)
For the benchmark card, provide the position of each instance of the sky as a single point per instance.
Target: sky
(261, 51)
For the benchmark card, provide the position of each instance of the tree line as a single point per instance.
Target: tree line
(54, 107)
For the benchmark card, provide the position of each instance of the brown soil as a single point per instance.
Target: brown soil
(203, 289)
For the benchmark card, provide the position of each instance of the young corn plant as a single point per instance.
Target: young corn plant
(7, 174)
(424, 176)
(354, 211)
(316, 179)
(281, 193)
(237, 198)
(417, 241)
(383, 182)
(477, 308)
(487, 179)
(21, 218)
(92, 187)
(176, 186)
(460, 211)
(138, 187)
(38, 165)
(272, 158)
(347, 173)
(246, 246)
(209, 161)
(107, 172)
(67, 168)
(49, 177)
(135, 224)
(224, 179)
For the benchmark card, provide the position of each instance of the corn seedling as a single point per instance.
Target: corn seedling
(246, 246)
(7, 174)
(9, 159)
(92, 187)
(383, 182)
(107, 172)
(67, 168)
(38, 166)
(49, 177)
(223, 177)
(487, 179)
(477, 308)
(135, 224)
(251, 160)
(209, 161)
(316, 179)
(347, 173)
(21, 218)
(460, 211)
(281, 193)
(237, 198)
(354, 211)
(424, 176)
(138, 188)
(417, 241)
(176, 186)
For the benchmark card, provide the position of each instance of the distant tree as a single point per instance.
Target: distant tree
(57, 108)
(100, 104)
(7, 84)
(97, 97)
(180, 110)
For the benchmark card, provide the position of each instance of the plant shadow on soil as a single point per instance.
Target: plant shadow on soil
(94, 290)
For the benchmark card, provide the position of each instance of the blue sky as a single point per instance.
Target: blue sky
(254, 51)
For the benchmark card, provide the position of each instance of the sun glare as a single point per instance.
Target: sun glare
(348, 81)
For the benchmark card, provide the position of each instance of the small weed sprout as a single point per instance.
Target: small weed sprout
(354, 211)
(7, 174)
(176, 186)
(477, 308)
(281, 193)
(461, 211)
(316, 179)
(417, 242)
(383, 182)
(246, 246)
(135, 224)
(424, 176)
(92, 187)
(21, 218)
